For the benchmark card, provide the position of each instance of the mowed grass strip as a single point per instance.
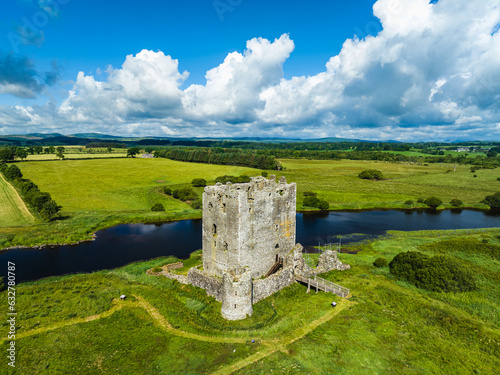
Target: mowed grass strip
(13, 211)
(118, 184)
(338, 183)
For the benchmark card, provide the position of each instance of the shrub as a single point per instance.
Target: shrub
(309, 194)
(156, 269)
(475, 175)
(440, 273)
(405, 265)
(39, 199)
(380, 262)
(196, 204)
(186, 194)
(456, 202)
(323, 204)
(175, 194)
(311, 201)
(13, 173)
(264, 174)
(409, 202)
(433, 202)
(49, 210)
(199, 182)
(371, 174)
(167, 190)
(420, 200)
(157, 207)
(492, 200)
(498, 178)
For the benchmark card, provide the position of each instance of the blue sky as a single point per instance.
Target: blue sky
(391, 69)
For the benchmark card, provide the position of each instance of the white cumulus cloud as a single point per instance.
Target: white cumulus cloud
(432, 72)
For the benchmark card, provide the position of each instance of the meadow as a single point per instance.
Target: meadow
(76, 324)
(338, 183)
(13, 211)
(99, 193)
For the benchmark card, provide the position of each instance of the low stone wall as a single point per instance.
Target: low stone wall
(264, 288)
(180, 278)
(213, 285)
(173, 266)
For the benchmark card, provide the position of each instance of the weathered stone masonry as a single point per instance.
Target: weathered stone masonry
(249, 233)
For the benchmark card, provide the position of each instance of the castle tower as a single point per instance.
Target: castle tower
(248, 225)
(237, 294)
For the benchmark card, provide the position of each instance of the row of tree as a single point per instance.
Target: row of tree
(11, 153)
(220, 156)
(40, 201)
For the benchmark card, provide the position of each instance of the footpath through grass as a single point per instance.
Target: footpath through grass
(13, 211)
(74, 324)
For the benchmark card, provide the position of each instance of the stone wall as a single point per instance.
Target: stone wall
(237, 295)
(248, 225)
(213, 285)
(329, 261)
(264, 288)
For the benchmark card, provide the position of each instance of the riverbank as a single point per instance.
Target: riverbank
(82, 227)
(98, 194)
(386, 326)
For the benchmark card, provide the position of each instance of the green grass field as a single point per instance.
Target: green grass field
(96, 194)
(118, 184)
(13, 211)
(73, 324)
(100, 193)
(338, 183)
(74, 156)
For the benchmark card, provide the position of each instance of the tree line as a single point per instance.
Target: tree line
(221, 156)
(40, 201)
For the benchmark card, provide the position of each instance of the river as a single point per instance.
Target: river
(123, 244)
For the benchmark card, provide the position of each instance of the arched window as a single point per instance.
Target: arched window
(214, 229)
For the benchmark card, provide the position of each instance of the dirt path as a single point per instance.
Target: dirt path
(268, 346)
(166, 326)
(12, 199)
(158, 318)
(116, 307)
(280, 345)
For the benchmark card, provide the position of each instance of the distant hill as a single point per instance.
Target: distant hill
(81, 139)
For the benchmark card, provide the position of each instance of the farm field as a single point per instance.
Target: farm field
(96, 194)
(13, 211)
(75, 324)
(100, 193)
(69, 155)
(118, 184)
(338, 183)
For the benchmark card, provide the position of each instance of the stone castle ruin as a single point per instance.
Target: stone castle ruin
(249, 249)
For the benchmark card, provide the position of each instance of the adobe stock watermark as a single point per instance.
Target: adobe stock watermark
(393, 9)
(223, 6)
(11, 314)
(29, 30)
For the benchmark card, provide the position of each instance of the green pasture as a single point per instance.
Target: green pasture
(118, 184)
(339, 184)
(74, 324)
(13, 211)
(80, 155)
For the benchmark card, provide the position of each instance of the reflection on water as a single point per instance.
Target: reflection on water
(117, 246)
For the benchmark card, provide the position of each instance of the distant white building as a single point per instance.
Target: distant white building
(147, 156)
